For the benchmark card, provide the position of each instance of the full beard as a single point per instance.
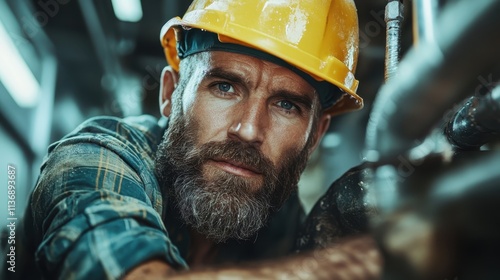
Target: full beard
(218, 204)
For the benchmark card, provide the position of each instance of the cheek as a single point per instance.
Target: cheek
(283, 140)
(213, 120)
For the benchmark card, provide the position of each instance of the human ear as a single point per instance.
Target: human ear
(168, 84)
(324, 123)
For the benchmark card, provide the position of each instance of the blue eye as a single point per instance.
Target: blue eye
(225, 87)
(287, 105)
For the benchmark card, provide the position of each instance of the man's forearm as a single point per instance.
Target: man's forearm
(355, 258)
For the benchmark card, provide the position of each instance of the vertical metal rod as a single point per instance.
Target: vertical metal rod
(393, 18)
(424, 20)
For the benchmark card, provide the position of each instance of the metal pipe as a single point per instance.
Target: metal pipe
(476, 123)
(429, 221)
(424, 20)
(393, 19)
(432, 77)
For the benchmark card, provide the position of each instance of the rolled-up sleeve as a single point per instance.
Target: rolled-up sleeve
(97, 205)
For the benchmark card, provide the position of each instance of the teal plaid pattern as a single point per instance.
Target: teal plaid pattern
(97, 207)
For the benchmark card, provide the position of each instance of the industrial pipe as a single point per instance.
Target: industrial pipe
(441, 221)
(476, 123)
(424, 20)
(432, 77)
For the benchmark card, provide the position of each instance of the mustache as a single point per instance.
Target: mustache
(235, 151)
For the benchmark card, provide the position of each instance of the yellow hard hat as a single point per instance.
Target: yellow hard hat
(318, 37)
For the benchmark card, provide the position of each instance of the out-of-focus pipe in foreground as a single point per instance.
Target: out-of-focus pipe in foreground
(440, 222)
(432, 77)
(424, 20)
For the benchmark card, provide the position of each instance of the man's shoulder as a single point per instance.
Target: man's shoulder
(116, 141)
(129, 127)
(105, 153)
(142, 132)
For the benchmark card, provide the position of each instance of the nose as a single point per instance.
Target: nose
(249, 123)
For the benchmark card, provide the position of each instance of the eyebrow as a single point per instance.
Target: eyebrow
(301, 98)
(219, 72)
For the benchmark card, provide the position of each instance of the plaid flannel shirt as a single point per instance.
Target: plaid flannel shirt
(97, 207)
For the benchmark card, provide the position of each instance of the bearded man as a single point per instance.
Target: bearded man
(115, 199)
